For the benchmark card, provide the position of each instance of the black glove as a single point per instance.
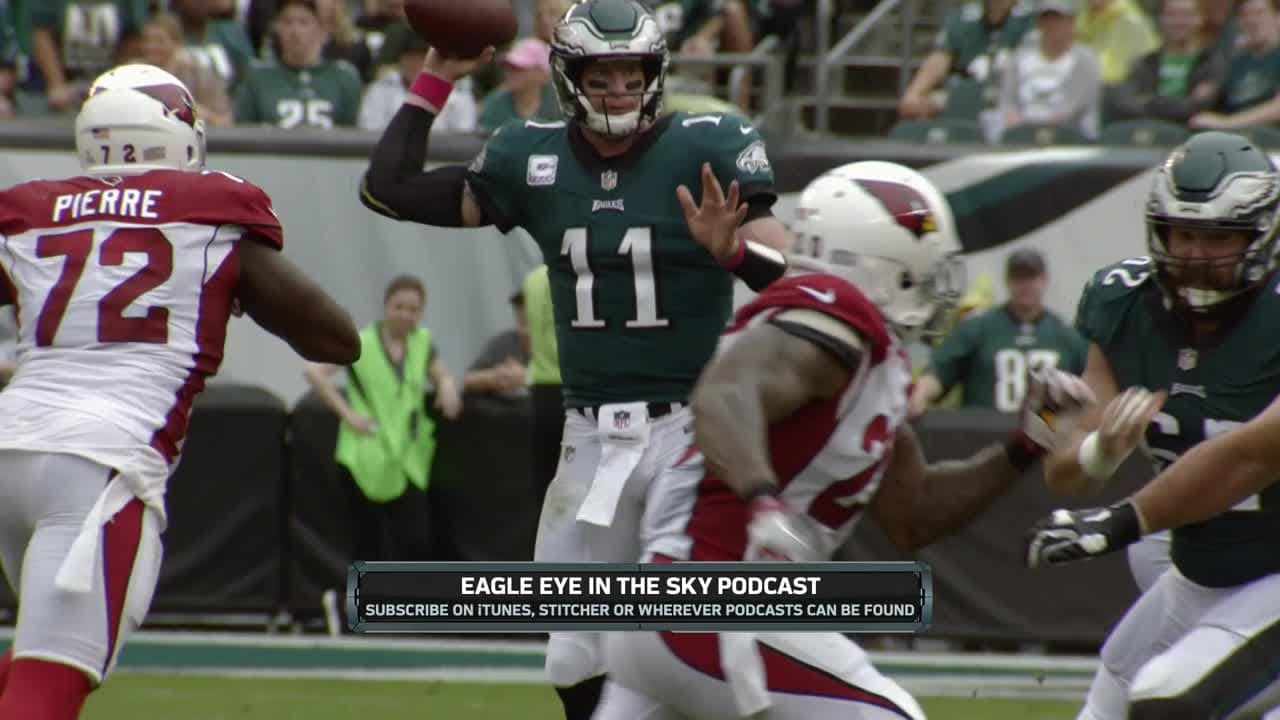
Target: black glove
(1070, 535)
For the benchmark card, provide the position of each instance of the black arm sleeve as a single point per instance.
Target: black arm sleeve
(759, 206)
(395, 184)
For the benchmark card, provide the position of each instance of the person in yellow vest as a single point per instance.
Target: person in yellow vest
(386, 440)
(544, 378)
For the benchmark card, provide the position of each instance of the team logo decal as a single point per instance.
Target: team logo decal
(904, 203)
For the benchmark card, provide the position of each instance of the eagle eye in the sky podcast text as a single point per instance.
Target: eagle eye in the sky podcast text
(434, 597)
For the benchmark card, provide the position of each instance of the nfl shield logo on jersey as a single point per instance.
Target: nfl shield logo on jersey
(1187, 358)
(608, 180)
(621, 420)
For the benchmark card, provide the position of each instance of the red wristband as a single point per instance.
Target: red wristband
(434, 90)
(738, 256)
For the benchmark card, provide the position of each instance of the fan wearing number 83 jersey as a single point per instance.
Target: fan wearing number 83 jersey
(124, 280)
(799, 427)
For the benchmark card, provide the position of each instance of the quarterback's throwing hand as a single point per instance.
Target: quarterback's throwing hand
(714, 223)
(1070, 535)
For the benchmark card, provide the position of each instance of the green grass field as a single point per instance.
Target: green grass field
(128, 696)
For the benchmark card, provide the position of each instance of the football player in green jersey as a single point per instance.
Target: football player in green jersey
(1188, 335)
(641, 270)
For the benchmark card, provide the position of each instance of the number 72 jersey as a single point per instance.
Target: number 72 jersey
(638, 303)
(124, 287)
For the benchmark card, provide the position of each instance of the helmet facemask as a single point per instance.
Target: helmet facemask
(604, 31)
(1242, 202)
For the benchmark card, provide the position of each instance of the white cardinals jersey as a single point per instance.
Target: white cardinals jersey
(123, 287)
(828, 456)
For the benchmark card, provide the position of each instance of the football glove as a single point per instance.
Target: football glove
(1067, 536)
(776, 532)
(1054, 400)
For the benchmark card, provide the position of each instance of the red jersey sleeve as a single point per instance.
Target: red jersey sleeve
(223, 199)
(829, 295)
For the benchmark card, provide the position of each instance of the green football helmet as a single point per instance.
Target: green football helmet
(595, 30)
(1215, 181)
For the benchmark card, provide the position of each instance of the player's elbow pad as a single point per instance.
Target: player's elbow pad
(758, 265)
(431, 198)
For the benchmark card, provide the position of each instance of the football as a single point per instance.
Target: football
(462, 28)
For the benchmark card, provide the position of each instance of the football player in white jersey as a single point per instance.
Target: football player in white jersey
(799, 427)
(124, 279)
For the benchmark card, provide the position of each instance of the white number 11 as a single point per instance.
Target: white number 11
(638, 243)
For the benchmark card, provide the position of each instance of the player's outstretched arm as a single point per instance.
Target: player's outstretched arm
(765, 376)
(1206, 481)
(289, 305)
(1214, 476)
(1105, 435)
(395, 184)
(919, 503)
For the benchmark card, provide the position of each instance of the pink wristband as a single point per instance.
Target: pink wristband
(738, 256)
(434, 90)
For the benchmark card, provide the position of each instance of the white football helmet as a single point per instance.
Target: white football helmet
(139, 118)
(886, 229)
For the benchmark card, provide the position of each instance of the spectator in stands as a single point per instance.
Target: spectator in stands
(547, 14)
(544, 378)
(1219, 27)
(162, 47)
(502, 366)
(214, 40)
(1176, 81)
(1054, 82)
(1118, 32)
(256, 17)
(526, 92)
(346, 41)
(701, 28)
(386, 439)
(991, 352)
(1250, 94)
(385, 96)
(975, 44)
(73, 41)
(301, 89)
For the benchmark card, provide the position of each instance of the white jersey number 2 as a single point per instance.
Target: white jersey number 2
(113, 327)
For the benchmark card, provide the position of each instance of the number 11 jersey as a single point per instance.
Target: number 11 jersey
(638, 303)
(123, 287)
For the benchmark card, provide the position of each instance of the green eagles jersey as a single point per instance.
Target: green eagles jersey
(1211, 390)
(88, 32)
(322, 96)
(991, 352)
(639, 305)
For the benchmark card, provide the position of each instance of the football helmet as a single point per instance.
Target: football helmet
(138, 118)
(604, 30)
(886, 229)
(1215, 181)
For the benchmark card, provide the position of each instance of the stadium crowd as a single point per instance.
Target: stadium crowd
(324, 63)
(1006, 65)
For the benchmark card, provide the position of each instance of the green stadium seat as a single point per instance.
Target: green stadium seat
(1144, 133)
(1043, 135)
(1264, 135)
(941, 130)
